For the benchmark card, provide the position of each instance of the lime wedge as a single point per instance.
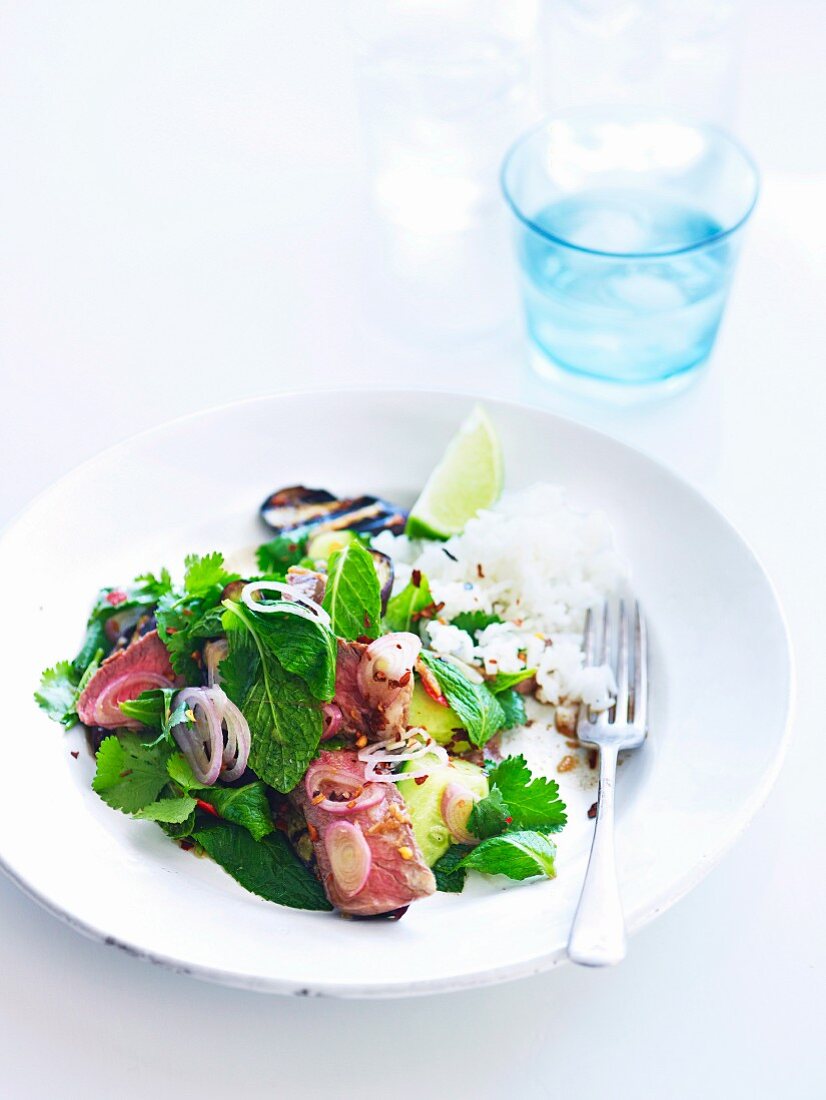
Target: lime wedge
(468, 478)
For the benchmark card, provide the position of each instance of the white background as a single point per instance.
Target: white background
(180, 224)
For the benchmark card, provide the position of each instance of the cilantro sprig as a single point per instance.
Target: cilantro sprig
(513, 823)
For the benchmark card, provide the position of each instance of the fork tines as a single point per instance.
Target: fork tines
(616, 636)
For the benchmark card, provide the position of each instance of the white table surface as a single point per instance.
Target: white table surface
(180, 225)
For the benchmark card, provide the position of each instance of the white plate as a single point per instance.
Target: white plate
(719, 707)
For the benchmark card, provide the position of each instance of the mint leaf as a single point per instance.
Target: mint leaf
(307, 648)
(489, 816)
(353, 595)
(533, 803)
(284, 719)
(474, 621)
(58, 693)
(276, 556)
(268, 867)
(478, 708)
(171, 811)
(513, 706)
(504, 680)
(247, 806)
(130, 774)
(450, 877)
(518, 855)
(402, 609)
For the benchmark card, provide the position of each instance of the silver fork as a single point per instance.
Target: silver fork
(598, 932)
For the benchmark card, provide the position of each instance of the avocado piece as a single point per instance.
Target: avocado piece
(441, 722)
(424, 800)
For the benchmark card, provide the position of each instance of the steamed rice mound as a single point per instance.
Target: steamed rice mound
(539, 565)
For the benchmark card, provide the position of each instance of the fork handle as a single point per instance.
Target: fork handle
(598, 932)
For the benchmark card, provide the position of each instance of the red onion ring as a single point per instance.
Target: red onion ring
(204, 745)
(320, 775)
(124, 688)
(332, 720)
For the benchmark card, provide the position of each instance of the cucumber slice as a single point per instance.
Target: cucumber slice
(424, 800)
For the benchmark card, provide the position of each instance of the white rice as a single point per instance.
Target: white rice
(536, 563)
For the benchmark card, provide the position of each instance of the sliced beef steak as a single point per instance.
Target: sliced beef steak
(124, 675)
(380, 848)
(374, 684)
(307, 583)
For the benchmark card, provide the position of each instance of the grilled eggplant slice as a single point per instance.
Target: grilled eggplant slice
(300, 511)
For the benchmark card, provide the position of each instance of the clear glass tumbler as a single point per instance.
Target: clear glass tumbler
(628, 227)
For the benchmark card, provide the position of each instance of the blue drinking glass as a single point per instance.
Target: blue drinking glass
(628, 228)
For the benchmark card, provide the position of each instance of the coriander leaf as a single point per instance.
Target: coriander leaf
(268, 867)
(130, 774)
(172, 811)
(276, 556)
(504, 680)
(450, 877)
(247, 806)
(474, 621)
(206, 574)
(489, 816)
(353, 595)
(284, 719)
(403, 608)
(533, 803)
(58, 692)
(518, 855)
(478, 708)
(513, 705)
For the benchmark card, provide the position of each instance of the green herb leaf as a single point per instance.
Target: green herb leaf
(504, 680)
(130, 774)
(489, 815)
(513, 706)
(268, 867)
(185, 618)
(518, 855)
(58, 692)
(533, 803)
(450, 877)
(474, 621)
(306, 648)
(353, 595)
(171, 811)
(276, 556)
(284, 719)
(402, 609)
(204, 575)
(247, 806)
(478, 708)
(154, 710)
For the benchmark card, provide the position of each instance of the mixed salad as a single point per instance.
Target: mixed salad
(298, 726)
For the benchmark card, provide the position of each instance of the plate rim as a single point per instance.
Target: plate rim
(480, 979)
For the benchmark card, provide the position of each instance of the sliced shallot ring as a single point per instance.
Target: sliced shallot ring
(205, 749)
(386, 666)
(457, 803)
(296, 605)
(350, 857)
(237, 749)
(362, 800)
